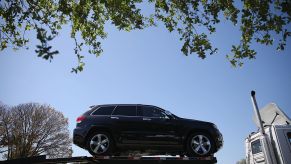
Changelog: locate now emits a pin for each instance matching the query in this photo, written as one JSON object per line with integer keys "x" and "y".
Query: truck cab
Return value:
{"x": 275, "y": 143}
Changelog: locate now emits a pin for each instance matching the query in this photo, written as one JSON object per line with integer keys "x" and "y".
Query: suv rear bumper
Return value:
{"x": 79, "y": 137}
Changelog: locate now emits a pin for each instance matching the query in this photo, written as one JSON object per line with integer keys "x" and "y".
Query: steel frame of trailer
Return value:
{"x": 115, "y": 160}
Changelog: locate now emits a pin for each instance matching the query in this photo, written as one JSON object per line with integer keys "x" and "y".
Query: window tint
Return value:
{"x": 139, "y": 111}
{"x": 256, "y": 146}
{"x": 125, "y": 111}
{"x": 289, "y": 137}
{"x": 149, "y": 111}
{"x": 104, "y": 110}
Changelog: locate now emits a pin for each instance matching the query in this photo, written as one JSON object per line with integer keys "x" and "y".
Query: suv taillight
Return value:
{"x": 80, "y": 119}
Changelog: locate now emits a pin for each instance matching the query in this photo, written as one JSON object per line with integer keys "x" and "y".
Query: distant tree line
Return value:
{"x": 33, "y": 129}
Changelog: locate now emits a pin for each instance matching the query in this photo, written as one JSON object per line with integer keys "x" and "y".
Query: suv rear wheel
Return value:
{"x": 100, "y": 143}
{"x": 199, "y": 144}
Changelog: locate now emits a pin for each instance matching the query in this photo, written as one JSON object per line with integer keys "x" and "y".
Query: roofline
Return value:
{"x": 120, "y": 104}
{"x": 92, "y": 106}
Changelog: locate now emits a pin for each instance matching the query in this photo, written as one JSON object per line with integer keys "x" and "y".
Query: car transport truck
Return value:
{"x": 271, "y": 144}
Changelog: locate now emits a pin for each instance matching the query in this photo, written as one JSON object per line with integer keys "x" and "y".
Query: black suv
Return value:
{"x": 112, "y": 129}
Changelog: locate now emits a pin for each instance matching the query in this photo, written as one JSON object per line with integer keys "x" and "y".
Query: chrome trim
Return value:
{"x": 114, "y": 117}
{"x": 136, "y": 105}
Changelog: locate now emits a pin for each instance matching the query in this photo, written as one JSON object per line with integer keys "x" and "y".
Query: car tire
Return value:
{"x": 100, "y": 143}
{"x": 199, "y": 144}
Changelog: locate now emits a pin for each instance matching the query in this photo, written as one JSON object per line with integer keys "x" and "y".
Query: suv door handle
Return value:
{"x": 146, "y": 119}
{"x": 114, "y": 118}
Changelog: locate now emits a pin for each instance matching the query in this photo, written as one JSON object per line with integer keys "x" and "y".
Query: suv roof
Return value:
{"x": 119, "y": 104}
{"x": 93, "y": 106}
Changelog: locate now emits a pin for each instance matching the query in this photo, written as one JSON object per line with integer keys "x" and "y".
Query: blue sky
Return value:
{"x": 148, "y": 67}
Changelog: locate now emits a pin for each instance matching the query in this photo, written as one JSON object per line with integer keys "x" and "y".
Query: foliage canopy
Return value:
{"x": 259, "y": 21}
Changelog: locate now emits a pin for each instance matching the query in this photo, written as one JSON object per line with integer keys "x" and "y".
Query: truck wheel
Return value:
{"x": 100, "y": 143}
{"x": 199, "y": 144}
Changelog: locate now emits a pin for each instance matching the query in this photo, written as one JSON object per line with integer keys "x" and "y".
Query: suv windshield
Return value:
{"x": 168, "y": 113}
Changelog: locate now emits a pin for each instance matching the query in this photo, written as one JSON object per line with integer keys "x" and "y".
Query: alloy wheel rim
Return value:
{"x": 99, "y": 143}
{"x": 200, "y": 144}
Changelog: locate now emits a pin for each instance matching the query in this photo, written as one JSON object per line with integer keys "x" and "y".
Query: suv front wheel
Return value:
{"x": 199, "y": 144}
{"x": 100, "y": 143}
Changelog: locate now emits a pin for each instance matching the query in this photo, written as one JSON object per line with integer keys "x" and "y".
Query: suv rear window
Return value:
{"x": 125, "y": 111}
{"x": 103, "y": 110}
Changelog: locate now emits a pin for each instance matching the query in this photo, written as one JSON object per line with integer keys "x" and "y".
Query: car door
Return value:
{"x": 157, "y": 127}
{"x": 125, "y": 127}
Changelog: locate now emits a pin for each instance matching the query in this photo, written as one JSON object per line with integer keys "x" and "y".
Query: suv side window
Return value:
{"x": 103, "y": 110}
{"x": 256, "y": 146}
{"x": 150, "y": 111}
{"x": 125, "y": 111}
